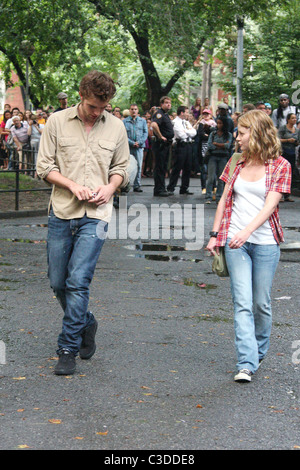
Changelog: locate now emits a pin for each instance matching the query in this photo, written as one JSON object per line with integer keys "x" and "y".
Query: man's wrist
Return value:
{"x": 115, "y": 183}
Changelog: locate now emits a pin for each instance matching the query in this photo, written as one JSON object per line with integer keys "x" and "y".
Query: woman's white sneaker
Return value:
{"x": 243, "y": 375}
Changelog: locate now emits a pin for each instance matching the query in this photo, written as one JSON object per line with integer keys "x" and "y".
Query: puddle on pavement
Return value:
{"x": 158, "y": 247}
{"x": 295, "y": 229}
{"x": 154, "y": 247}
{"x": 163, "y": 258}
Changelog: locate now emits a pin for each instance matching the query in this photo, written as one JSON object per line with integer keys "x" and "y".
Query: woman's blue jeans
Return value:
{"x": 73, "y": 248}
{"x": 251, "y": 269}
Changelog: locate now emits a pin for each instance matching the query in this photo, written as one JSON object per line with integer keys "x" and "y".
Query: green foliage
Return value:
{"x": 54, "y": 29}
{"x": 177, "y": 29}
{"x": 132, "y": 85}
{"x": 158, "y": 41}
{"x": 271, "y": 57}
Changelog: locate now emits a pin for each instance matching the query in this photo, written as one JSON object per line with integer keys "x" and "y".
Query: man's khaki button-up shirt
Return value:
{"x": 88, "y": 159}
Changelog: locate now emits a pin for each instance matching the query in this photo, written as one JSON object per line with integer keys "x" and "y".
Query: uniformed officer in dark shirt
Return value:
{"x": 164, "y": 133}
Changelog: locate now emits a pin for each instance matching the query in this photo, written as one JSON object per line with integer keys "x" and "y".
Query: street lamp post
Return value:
{"x": 239, "y": 63}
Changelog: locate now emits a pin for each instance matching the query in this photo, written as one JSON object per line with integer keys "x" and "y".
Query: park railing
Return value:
{"x": 22, "y": 162}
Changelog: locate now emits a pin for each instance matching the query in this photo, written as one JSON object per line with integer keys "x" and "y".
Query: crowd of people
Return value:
{"x": 191, "y": 142}
{"x": 20, "y": 133}
{"x": 198, "y": 142}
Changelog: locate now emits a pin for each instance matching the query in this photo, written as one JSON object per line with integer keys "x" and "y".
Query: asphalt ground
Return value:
{"x": 161, "y": 379}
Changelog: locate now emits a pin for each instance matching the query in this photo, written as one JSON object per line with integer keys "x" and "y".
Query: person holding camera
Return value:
{"x": 34, "y": 132}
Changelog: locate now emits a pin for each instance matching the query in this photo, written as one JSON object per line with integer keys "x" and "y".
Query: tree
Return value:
{"x": 55, "y": 30}
{"x": 69, "y": 38}
{"x": 177, "y": 28}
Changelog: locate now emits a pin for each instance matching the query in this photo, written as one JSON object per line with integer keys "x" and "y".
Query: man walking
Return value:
{"x": 184, "y": 134}
{"x": 137, "y": 132}
{"x": 84, "y": 154}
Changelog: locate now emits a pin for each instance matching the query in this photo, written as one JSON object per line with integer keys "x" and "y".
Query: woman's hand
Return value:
{"x": 211, "y": 246}
{"x": 239, "y": 239}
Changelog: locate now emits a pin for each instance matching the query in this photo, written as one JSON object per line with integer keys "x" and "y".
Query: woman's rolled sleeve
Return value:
{"x": 282, "y": 178}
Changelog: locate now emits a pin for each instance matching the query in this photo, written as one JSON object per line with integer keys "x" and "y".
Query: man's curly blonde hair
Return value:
{"x": 264, "y": 143}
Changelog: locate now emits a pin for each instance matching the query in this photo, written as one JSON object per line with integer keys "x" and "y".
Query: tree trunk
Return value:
{"x": 206, "y": 71}
{"x": 155, "y": 90}
{"x": 153, "y": 83}
{"x": 18, "y": 68}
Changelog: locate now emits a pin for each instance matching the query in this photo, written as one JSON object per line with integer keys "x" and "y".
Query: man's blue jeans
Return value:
{"x": 138, "y": 154}
{"x": 251, "y": 269}
{"x": 73, "y": 248}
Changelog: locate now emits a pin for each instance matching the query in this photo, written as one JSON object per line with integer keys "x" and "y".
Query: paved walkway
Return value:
{"x": 162, "y": 375}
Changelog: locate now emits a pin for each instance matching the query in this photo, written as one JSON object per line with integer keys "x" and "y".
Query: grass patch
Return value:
{"x": 8, "y": 181}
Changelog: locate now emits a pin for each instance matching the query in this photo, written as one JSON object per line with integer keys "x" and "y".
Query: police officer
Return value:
{"x": 164, "y": 133}
{"x": 184, "y": 134}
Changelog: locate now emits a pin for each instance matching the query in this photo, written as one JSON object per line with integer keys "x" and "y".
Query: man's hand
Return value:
{"x": 18, "y": 145}
{"x": 81, "y": 192}
{"x": 102, "y": 194}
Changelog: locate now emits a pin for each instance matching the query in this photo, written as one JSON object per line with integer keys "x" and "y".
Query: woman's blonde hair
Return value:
{"x": 264, "y": 143}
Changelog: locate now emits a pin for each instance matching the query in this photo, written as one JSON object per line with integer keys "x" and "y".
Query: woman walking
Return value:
{"x": 247, "y": 224}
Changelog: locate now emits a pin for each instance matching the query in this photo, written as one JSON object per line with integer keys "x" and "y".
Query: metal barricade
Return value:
{"x": 23, "y": 162}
